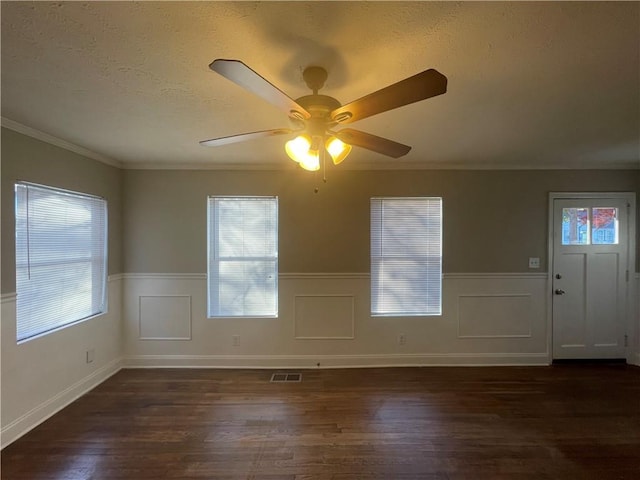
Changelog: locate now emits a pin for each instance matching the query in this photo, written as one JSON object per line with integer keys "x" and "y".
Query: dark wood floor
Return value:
{"x": 563, "y": 422}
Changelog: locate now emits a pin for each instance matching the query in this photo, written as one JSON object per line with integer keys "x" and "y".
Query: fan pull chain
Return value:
{"x": 324, "y": 170}
{"x": 324, "y": 165}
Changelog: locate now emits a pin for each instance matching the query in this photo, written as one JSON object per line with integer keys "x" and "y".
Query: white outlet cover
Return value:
{"x": 534, "y": 262}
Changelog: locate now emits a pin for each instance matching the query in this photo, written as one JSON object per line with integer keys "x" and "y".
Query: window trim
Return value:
{"x": 397, "y": 314}
{"x": 212, "y": 254}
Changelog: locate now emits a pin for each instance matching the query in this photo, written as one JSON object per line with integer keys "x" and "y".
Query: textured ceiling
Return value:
{"x": 531, "y": 85}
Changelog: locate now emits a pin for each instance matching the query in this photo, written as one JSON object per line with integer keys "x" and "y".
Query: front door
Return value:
{"x": 590, "y": 250}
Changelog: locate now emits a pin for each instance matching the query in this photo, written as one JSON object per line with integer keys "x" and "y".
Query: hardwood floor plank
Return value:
{"x": 516, "y": 423}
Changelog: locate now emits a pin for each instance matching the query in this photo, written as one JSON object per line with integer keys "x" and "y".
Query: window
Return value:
{"x": 584, "y": 226}
{"x": 243, "y": 256}
{"x": 61, "y": 253}
{"x": 406, "y": 256}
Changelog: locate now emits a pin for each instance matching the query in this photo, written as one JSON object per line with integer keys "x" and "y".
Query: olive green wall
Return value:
{"x": 27, "y": 159}
{"x": 493, "y": 220}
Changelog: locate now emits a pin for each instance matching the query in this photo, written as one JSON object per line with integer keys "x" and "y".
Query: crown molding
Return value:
{"x": 626, "y": 165}
{"x": 152, "y": 165}
{"x": 288, "y": 166}
{"x": 58, "y": 142}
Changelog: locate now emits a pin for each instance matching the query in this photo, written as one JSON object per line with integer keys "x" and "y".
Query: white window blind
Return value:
{"x": 61, "y": 253}
{"x": 406, "y": 256}
{"x": 243, "y": 256}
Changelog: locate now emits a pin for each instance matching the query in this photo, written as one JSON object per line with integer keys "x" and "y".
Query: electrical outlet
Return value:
{"x": 534, "y": 262}
{"x": 91, "y": 353}
{"x": 235, "y": 340}
{"x": 402, "y": 339}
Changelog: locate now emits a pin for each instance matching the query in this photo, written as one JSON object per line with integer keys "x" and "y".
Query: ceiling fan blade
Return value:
{"x": 373, "y": 143}
{"x": 427, "y": 84}
{"x": 243, "y": 137}
{"x": 242, "y": 75}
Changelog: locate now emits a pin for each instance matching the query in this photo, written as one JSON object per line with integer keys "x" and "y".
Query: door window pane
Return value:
{"x": 575, "y": 226}
{"x": 604, "y": 226}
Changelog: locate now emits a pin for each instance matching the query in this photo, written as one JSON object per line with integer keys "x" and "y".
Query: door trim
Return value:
{"x": 631, "y": 323}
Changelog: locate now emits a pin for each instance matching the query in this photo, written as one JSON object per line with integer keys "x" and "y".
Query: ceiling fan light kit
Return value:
{"x": 305, "y": 151}
{"x": 316, "y": 115}
{"x": 337, "y": 149}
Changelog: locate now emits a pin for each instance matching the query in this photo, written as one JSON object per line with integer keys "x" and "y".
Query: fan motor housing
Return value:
{"x": 320, "y": 108}
{"x": 320, "y": 104}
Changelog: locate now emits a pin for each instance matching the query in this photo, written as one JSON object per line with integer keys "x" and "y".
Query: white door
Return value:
{"x": 590, "y": 250}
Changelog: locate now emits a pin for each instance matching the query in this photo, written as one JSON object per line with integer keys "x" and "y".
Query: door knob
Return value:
{"x": 559, "y": 291}
{"x": 558, "y": 276}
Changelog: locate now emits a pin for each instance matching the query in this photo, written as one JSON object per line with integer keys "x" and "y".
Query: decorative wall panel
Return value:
{"x": 324, "y": 317}
{"x": 165, "y": 317}
{"x": 494, "y": 316}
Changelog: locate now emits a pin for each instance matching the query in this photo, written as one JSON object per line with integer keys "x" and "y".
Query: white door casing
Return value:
{"x": 590, "y": 264}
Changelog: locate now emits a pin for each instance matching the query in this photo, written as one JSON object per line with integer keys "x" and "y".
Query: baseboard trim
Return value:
{"x": 47, "y": 409}
{"x": 334, "y": 361}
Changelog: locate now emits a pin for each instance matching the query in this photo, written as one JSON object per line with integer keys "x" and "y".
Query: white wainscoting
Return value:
{"x": 324, "y": 321}
{"x": 483, "y": 323}
{"x": 42, "y": 376}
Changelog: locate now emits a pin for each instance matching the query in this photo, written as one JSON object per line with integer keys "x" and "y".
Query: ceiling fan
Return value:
{"x": 314, "y": 117}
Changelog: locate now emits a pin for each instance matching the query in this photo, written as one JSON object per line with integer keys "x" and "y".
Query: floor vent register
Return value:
{"x": 286, "y": 377}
